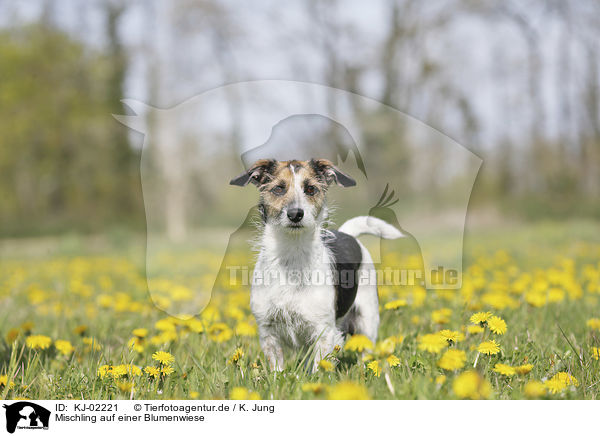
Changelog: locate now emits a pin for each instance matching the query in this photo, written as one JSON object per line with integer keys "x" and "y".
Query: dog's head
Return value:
{"x": 293, "y": 193}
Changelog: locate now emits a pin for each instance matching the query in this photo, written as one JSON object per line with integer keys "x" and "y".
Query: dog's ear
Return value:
{"x": 326, "y": 170}
{"x": 258, "y": 173}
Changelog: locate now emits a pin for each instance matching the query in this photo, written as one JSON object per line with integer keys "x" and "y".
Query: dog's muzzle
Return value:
{"x": 295, "y": 215}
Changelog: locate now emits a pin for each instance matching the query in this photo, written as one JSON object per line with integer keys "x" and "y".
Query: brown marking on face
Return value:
{"x": 280, "y": 191}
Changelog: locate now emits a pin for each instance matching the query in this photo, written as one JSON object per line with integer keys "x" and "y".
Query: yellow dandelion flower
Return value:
{"x": 326, "y": 365}
{"x": 534, "y": 389}
{"x": 194, "y": 395}
{"x": 503, "y": 369}
{"x": 386, "y": 347}
{"x": 375, "y": 367}
{"x": 220, "y": 332}
{"x": 163, "y": 357}
{"x": 64, "y": 347}
{"x": 125, "y": 369}
{"x": 524, "y": 369}
{"x": 471, "y": 385}
{"x": 125, "y": 386}
{"x": 210, "y": 314}
{"x": 236, "y": 356}
{"x": 497, "y": 325}
{"x": 566, "y": 378}
{"x": 166, "y": 370}
{"x": 38, "y": 342}
{"x": 475, "y": 329}
{"x": 348, "y": 391}
{"x": 244, "y": 328}
{"x": 393, "y": 360}
{"x": 152, "y": 371}
{"x": 140, "y": 333}
{"x": 164, "y": 337}
{"x": 27, "y": 326}
{"x": 80, "y": 330}
{"x": 560, "y": 381}
{"x": 234, "y": 312}
{"x": 593, "y": 323}
{"x": 240, "y": 393}
{"x": 134, "y": 370}
{"x": 315, "y": 388}
{"x": 555, "y": 386}
{"x": 440, "y": 379}
{"x": 4, "y": 381}
{"x": 165, "y": 324}
{"x": 396, "y": 304}
{"x": 118, "y": 371}
{"x": 136, "y": 344}
{"x": 104, "y": 370}
{"x": 452, "y": 360}
{"x": 194, "y": 325}
{"x": 358, "y": 343}
{"x": 441, "y": 316}
{"x": 480, "y": 317}
{"x": 536, "y": 299}
{"x": 489, "y": 347}
{"x": 432, "y": 343}
{"x": 555, "y": 295}
{"x": 452, "y": 336}
{"x": 37, "y": 296}
{"x": 12, "y": 335}
{"x": 595, "y": 353}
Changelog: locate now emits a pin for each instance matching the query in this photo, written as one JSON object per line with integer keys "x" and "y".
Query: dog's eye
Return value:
{"x": 278, "y": 190}
{"x": 310, "y": 190}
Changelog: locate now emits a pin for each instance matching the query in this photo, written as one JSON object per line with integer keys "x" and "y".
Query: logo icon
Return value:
{"x": 26, "y": 415}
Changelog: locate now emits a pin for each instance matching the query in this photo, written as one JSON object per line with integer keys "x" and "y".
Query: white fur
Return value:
{"x": 295, "y": 314}
{"x": 370, "y": 225}
{"x": 299, "y": 314}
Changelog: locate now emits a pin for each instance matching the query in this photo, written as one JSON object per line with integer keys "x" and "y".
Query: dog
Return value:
{"x": 311, "y": 286}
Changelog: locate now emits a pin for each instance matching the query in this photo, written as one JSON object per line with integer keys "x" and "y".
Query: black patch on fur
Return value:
{"x": 347, "y": 256}
{"x": 328, "y": 173}
{"x": 319, "y": 169}
{"x": 268, "y": 169}
{"x": 260, "y": 172}
{"x": 262, "y": 209}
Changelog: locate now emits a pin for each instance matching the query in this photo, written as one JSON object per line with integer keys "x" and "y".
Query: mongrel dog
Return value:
{"x": 311, "y": 286}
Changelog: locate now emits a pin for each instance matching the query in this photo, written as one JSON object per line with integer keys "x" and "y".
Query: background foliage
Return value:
{"x": 516, "y": 82}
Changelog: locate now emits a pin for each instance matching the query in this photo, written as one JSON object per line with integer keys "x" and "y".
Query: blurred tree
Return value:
{"x": 64, "y": 162}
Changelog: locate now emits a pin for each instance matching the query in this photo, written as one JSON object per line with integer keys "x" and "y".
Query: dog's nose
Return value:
{"x": 295, "y": 215}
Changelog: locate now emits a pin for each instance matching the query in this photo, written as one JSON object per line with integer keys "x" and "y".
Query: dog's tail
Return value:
{"x": 370, "y": 225}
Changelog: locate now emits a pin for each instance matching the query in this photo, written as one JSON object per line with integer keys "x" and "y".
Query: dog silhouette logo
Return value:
{"x": 26, "y": 415}
{"x": 191, "y": 150}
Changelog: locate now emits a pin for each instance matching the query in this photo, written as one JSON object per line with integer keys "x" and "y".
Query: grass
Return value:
{"x": 542, "y": 279}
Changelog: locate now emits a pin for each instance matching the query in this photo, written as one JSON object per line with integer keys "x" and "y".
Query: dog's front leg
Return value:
{"x": 325, "y": 344}
{"x": 272, "y": 350}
